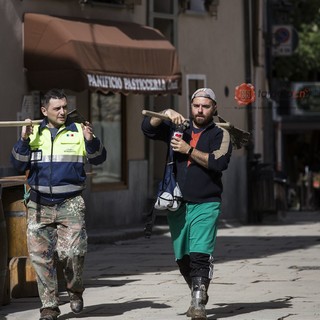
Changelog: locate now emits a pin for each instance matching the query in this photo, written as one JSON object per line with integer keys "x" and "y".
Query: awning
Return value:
{"x": 108, "y": 56}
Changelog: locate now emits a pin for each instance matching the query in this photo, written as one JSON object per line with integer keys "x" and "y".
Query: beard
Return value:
{"x": 202, "y": 121}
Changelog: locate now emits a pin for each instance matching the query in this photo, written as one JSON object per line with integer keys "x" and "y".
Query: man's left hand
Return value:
{"x": 87, "y": 131}
{"x": 179, "y": 145}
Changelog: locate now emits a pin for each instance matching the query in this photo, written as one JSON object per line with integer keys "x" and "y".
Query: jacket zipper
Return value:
{"x": 51, "y": 157}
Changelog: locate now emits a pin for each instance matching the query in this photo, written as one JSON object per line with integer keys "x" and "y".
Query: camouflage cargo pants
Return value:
{"x": 57, "y": 232}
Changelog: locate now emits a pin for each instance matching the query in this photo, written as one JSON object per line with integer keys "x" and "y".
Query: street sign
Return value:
{"x": 284, "y": 40}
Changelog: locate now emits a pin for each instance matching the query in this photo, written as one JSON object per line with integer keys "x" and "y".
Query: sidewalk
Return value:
{"x": 262, "y": 272}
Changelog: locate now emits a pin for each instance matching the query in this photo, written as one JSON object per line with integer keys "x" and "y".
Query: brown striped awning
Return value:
{"x": 107, "y": 56}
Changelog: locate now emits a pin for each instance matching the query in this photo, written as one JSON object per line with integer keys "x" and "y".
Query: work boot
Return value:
{"x": 49, "y": 313}
{"x": 199, "y": 298}
{"x": 76, "y": 303}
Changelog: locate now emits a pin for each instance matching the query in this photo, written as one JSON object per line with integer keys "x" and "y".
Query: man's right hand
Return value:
{"x": 26, "y": 130}
{"x": 173, "y": 116}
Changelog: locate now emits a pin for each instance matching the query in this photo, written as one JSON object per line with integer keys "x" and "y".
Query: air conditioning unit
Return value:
{"x": 305, "y": 98}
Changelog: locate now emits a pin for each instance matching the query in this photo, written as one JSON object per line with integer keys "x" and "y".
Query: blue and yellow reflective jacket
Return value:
{"x": 56, "y": 165}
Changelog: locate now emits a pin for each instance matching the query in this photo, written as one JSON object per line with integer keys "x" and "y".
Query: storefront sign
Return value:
{"x": 140, "y": 85}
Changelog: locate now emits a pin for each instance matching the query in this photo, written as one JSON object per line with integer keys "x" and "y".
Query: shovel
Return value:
{"x": 239, "y": 137}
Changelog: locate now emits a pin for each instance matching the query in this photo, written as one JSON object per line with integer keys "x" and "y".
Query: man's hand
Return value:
{"x": 171, "y": 114}
{"x": 175, "y": 116}
{"x": 26, "y": 130}
{"x": 87, "y": 131}
{"x": 179, "y": 145}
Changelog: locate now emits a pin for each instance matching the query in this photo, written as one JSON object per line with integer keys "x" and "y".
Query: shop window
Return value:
{"x": 107, "y": 114}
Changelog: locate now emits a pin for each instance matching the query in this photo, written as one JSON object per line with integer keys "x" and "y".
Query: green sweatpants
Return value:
{"x": 194, "y": 227}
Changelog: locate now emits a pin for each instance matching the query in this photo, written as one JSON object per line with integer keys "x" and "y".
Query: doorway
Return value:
{"x": 301, "y": 158}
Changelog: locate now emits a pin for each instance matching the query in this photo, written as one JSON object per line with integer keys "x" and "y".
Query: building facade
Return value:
{"x": 112, "y": 62}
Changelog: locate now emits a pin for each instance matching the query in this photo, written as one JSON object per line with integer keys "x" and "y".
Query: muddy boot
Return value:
{"x": 76, "y": 302}
{"x": 49, "y": 313}
{"x": 199, "y": 298}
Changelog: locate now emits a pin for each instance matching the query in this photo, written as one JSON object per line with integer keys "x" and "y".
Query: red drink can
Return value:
{"x": 178, "y": 134}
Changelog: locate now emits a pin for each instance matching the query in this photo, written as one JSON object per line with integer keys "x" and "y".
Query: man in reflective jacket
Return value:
{"x": 55, "y": 153}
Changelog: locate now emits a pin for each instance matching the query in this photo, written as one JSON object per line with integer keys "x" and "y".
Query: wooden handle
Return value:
{"x": 162, "y": 116}
{"x": 5, "y": 124}
{"x": 155, "y": 114}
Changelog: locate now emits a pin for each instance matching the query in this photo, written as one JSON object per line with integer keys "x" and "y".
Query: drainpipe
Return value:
{"x": 247, "y": 11}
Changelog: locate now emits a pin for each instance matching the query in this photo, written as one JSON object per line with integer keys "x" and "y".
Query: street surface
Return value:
{"x": 262, "y": 272}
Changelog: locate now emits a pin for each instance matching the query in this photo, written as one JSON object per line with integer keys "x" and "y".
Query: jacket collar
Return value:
{"x": 69, "y": 126}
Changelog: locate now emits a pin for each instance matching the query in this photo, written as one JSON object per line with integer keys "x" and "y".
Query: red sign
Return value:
{"x": 244, "y": 94}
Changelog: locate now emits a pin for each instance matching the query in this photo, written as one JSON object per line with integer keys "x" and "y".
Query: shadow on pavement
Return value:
{"x": 95, "y": 283}
{"x": 230, "y": 248}
{"x": 113, "y": 309}
{"x": 234, "y": 309}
